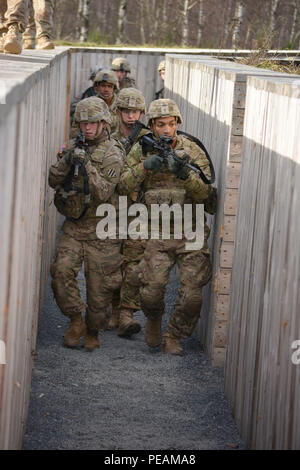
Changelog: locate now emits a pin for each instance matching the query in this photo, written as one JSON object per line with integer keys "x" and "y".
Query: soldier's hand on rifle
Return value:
{"x": 68, "y": 157}
{"x": 153, "y": 163}
{"x": 177, "y": 166}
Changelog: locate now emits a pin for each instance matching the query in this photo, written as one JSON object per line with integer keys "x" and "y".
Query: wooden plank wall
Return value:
{"x": 211, "y": 95}
{"x": 32, "y": 120}
{"x": 261, "y": 382}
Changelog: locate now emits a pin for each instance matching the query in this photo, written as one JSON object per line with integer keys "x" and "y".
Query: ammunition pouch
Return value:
{"x": 70, "y": 200}
{"x": 165, "y": 196}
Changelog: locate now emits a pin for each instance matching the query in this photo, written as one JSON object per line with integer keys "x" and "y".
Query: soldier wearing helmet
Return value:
{"x": 159, "y": 182}
{"x": 161, "y": 70}
{"x": 85, "y": 175}
{"x": 106, "y": 85}
{"x": 130, "y": 108}
{"x": 121, "y": 67}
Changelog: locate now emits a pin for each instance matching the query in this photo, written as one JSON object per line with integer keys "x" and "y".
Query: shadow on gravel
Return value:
{"x": 124, "y": 396}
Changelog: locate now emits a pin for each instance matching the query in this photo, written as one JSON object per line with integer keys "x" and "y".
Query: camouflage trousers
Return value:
{"x": 194, "y": 272}
{"x": 102, "y": 269}
{"x": 13, "y": 11}
{"x": 40, "y": 21}
{"x": 133, "y": 252}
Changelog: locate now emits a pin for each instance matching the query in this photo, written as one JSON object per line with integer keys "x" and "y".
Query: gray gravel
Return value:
{"x": 124, "y": 396}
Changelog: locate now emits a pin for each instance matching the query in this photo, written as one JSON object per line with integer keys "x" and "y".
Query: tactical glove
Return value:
{"x": 68, "y": 157}
{"x": 153, "y": 163}
{"x": 177, "y": 168}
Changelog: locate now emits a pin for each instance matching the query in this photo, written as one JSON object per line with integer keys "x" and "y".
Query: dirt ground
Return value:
{"x": 124, "y": 396}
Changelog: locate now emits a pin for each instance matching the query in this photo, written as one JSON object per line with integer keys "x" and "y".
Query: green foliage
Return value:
{"x": 95, "y": 36}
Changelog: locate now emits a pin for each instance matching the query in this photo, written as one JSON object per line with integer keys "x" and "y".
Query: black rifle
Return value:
{"x": 80, "y": 143}
{"x": 132, "y": 138}
{"x": 163, "y": 148}
{"x": 68, "y": 186}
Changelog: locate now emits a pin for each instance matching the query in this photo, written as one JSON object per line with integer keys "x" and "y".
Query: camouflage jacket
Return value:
{"x": 106, "y": 159}
{"x": 163, "y": 186}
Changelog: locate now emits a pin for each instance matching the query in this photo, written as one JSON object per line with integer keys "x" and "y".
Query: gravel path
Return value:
{"x": 124, "y": 396}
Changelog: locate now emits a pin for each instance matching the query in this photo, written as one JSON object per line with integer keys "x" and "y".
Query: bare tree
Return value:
{"x": 238, "y": 19}
{"x": 295, "y": 4}
{"x": 83, "y": 14}
{"x": 274, "y": 5}
{"x": 185, "y": 23}
{"x": 121, "y": 21}
{"x": 200, "y": 22}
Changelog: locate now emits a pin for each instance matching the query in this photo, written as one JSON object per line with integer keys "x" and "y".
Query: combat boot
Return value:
{"x": 28, "y": 44}
{"x": 75, "y": 331}
{"x": 91, "y": 340}
{"x": 13, "y": 40}
{"x": 44, "y": 43}
{"x": 171, "y": 345}
{"x": 127, "y": 325}
{"x": 153, "y": 332}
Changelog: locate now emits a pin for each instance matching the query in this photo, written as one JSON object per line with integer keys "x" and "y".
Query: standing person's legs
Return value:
{"x": 67, "y": 264}
{"x": 102, "y": 262}
{"x": 16, "y": 17}
{"x": 43, "y": 15}
{"x": 194, "y": 273}
{"x": 30, "y": 31}
{"x": 157, "y": 263}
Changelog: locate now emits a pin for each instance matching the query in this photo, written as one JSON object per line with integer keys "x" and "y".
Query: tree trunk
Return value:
{"x": 200, "y": 23}
{"x": 121, "y": 21}
{"x": 295, "y": 14}
{"x": 185, "y": 23}
{"x": 85, "y": 20}
{"x": 238, "y": 19}
{"x": 142, "y": 23}
{"x": 274, "y": 5}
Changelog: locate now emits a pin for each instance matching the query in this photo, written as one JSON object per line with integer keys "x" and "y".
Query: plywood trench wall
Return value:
{"x": 262, "y": 374}
{"x": 251, "y": 314}
{"x": 32, "y": 120}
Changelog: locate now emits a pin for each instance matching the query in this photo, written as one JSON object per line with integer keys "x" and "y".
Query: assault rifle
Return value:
{"x": 80, "y": 147}
{"x": 162, "y": 147}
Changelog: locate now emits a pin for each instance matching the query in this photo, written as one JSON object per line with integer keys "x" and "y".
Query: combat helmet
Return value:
{"x": 120, "y": 64}
{"x": 108, "y": 76}
{"x": 131, "y": 98}
{"x": 163, "y": 108}
{"x": 161, "y": 66}
{"x": 92, "y": 109}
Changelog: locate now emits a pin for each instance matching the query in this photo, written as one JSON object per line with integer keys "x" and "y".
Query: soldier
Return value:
{"x": 165, "y": 184}
{"x": 13, "y": 16}
{"x": 121, "y": 67}
{"x": 130, "y": 108}
{"x": 40, "y": 25}
{"x": 99, "y": 168}
{"x": 161, "y": 70}
{"x": 106, "y": 86}
{"x": 91, "y": 90}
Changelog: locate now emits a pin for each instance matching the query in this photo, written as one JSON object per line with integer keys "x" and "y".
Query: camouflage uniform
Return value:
{"x": 133, "y": 250}
{"x": 79, "y": 243}
{"x": 13, "y": 20}
{"x": 13, "y": 11}
{"x": 122, "y": 64}
{"x": 109, "y": 77}
{"x": 161, "y": 255}
{"x": 40, "y": 22}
